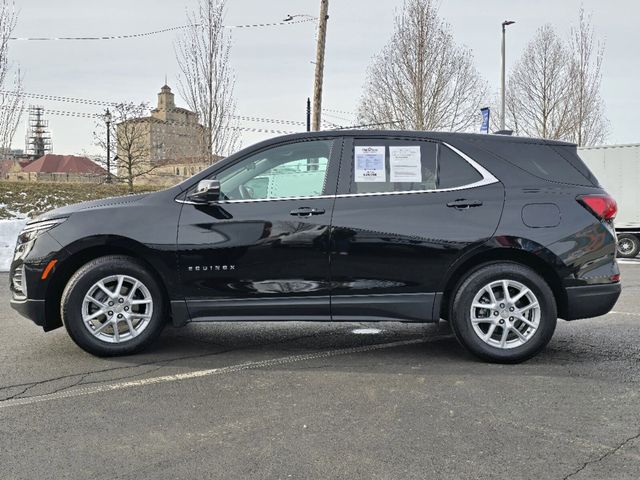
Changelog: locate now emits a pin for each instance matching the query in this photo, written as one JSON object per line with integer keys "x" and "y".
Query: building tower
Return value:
{"x": 38, "y": 142}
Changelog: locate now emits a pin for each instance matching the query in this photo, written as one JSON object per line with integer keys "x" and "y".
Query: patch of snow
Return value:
{"x": 9, "y": 230}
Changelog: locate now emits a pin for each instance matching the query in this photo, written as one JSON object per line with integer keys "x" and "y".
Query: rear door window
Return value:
{"x": 395, "y": 165}
{"x": 379, "y": 166}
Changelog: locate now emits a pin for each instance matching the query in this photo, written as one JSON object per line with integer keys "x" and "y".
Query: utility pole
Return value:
{"x": 317, "y": 89}
{"x": 502, "y": 81}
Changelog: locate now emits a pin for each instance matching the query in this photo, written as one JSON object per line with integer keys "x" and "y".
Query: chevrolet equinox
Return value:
{"x": 497, "y": 235}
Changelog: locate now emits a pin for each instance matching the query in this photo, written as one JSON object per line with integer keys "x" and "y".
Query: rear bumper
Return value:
{"x": 32, "y": 309}
{"x": 591, "y": 300}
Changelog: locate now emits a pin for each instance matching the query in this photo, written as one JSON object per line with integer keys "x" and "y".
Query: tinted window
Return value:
{"x": 293, "y": 170}
{"x": 392, "y": 166}
{"x": 453, "y": 170}
{"x": 542, "y": 161}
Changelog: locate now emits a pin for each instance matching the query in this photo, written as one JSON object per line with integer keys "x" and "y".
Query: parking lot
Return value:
{"x": 308, "y": 400}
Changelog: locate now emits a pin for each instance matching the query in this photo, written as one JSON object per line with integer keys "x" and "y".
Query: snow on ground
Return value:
{"x": 9, "y": 230}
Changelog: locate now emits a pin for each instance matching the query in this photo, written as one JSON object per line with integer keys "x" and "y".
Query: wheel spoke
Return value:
{"x": 118, "y": 290}
{"x": 492, "y": 296}
{"x": 140, "y": 302}
{"x": 519, "y": 334}
{"x": 505, "y": 289}
{"x": 101, "y": 327}
{"x": 528, "y": 307}
{"x": 521, "y": 294}
{"x": 94, "y": 315}
{"x": 116, "y": 332}
{"x": 525, "y": 320}
{"x": 503, "y": 338}
{"x": 102, "y": 287}
{"x": 96, "y": 302}
{"x": 132, "y": 330}
{"x": 133, "y": 291}
{"x": 489, "y": 333}
{"x": 478, "y": 320}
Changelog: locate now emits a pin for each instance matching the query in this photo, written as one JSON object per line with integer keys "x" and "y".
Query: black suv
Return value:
{"x": 497, "y": 235}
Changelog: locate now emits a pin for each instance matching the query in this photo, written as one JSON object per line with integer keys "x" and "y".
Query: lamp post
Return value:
{"x": 107, "y": 119}
{"x": 502, "y": 82}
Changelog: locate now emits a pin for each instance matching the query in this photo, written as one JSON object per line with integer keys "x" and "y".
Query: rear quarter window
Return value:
{"x": 543, "y": 161}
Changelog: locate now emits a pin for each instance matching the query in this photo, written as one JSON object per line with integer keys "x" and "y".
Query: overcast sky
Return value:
{"x": 274, "y": 73}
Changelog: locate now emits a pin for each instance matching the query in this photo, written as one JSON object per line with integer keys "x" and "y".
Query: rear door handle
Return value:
{"x": 463, "y": 203}
{"x": 307, "y": 211}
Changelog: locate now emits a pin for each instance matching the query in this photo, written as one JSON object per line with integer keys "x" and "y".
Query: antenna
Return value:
{"x": 38, "y": 136}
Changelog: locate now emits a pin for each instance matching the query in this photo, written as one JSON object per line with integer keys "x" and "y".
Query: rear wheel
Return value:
{"x": 628, "y": 245}
{"x": 112, "y": 306}
{"x": 503, "y": 312}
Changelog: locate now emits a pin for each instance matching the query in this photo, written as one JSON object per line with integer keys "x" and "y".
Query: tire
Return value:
{"x": 522, "y": 341}
{"x": 628, "y": 245}
{"x": 134, "y": 303}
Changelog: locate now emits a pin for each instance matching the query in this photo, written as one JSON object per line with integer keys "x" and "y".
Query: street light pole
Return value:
{"x": 107, "y": 119}
{"x": 502, "y": 77}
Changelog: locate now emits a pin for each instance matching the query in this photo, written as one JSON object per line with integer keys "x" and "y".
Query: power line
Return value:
{"x": 352, "y": 114}
{"x": 67, "y": 113}
{"x": 57, "y": 98}
{"x": 85, "y": 101}
{"x": 157, "y": 32}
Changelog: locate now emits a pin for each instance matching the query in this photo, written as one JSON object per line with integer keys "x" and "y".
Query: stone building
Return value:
{"x": 170, "y": 135}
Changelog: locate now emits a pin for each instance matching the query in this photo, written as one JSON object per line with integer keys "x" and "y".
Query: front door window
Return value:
{"x": 287, "y": 171}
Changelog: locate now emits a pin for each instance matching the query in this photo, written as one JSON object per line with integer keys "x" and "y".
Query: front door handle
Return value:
{"x": 463, "y": 204}
{"x": 307, "y": 211}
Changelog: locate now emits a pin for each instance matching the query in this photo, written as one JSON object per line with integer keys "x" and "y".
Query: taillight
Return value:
{"x": 602, "y": 206}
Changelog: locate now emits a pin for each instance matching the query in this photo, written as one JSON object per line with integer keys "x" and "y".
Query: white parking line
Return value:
{"x": 614, "y": 312}
{"x": 78, "y": 392}
{"x": 629, "y": 261}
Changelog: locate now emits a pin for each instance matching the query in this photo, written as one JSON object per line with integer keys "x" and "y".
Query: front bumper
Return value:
{"x": 32, "y": 309}
{"x": 591, "y": 300}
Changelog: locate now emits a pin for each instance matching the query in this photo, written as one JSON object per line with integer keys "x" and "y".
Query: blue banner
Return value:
{"x": 484, "y": 128}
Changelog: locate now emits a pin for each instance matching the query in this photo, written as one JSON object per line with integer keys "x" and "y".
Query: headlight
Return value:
{"x": 33, "y": 230}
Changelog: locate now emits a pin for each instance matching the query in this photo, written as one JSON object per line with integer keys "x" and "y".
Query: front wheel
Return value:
{"x": 628, "y": 245}
{"x": 503, "y": 312}
{"x": 112, "y": 306}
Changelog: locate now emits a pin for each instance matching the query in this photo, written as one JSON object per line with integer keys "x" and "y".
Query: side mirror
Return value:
{"x": 207, "y": 191}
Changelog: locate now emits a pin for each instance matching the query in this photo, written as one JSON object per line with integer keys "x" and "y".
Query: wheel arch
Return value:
{"x": 541, "y": 261}
{"x": 83, "y": 252}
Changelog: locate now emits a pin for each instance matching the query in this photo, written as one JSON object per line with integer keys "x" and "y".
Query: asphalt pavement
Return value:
{"x": 317, "y": 401}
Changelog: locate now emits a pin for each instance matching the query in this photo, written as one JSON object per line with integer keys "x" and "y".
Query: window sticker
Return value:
{"x": 370, "y": 164}
{"x": 405, "y": 164}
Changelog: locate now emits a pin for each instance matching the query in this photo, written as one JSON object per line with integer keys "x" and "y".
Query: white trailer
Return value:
{"x": 617, "y": 167}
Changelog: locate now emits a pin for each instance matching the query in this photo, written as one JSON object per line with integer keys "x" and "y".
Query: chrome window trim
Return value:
{"x": 487, "y": 179}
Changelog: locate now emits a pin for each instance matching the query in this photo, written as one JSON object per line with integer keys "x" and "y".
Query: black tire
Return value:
{"x": 71, "y": 305}
{"x": 473, "y": 283}
{"x": 628, "y": 245}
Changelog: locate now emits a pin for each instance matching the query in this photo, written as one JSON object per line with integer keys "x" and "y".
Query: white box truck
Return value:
{"x": 617, "y": 167}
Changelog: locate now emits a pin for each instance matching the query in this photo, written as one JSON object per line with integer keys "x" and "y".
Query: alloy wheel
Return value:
{"x": 505, "y": 314}
{"x": 117, "y": 308}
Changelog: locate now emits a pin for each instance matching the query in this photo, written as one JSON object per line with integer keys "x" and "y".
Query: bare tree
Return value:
{"x": 207, "y": 82}
{"x": 12, "y": 104}
{"x": 539, "y": 88}
{"x": 130, "y": 140}
{"x": 589, "y": 124}
{"x": 421, "y": 77}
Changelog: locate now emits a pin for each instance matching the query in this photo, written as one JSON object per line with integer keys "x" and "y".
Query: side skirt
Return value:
{"x": 403, "y": 307}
